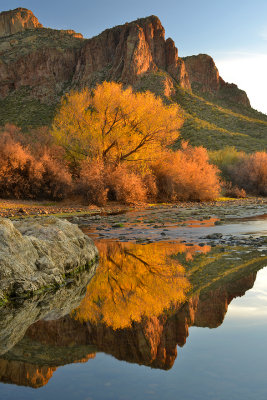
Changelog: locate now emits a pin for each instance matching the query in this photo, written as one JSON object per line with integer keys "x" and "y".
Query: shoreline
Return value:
{"x": 14, "y": 209}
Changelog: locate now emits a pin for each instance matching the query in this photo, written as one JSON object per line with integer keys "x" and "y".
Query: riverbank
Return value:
{"x": 224, "y": 206}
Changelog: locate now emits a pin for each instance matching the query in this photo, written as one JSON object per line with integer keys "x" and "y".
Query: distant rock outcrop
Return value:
{"x": 204, "y": 78}
{"x": 17, "y": 20}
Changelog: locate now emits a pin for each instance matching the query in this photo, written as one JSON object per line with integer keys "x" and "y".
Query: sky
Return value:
{"x": 233, "y": 32}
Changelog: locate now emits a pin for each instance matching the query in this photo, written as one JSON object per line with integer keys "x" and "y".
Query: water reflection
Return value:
{"x": 136, "y": 281}
{"x": 138, "y": 308}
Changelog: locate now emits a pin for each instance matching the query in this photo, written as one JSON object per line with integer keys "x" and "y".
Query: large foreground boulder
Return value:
{"x": 40, "y": 253}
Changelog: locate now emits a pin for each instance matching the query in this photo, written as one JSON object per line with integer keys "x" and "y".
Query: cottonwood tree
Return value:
{"x": 115, "y": 125}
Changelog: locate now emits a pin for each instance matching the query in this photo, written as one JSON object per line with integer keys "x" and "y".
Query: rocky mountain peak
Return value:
{"x": 203, "y": 72}
{"x": 205, "y": 79}
{"x": 127, "y": 52}
{"x": 17, "y": 20}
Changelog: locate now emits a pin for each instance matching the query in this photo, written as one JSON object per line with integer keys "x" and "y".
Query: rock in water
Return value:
{"x": 36, "y": 254}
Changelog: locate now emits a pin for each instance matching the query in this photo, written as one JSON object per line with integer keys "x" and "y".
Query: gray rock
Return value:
{"x": 39, "y": 253}
{"x": 15, "y": 318}
{"x": 214, "y": 236}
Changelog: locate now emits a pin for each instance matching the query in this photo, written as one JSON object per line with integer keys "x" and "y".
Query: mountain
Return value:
{"x": 38, "y": 65}
{"x": 49, "y": 344}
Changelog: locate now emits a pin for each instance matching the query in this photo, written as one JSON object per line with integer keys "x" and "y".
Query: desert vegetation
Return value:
{"x": 117, "y": 143}
{"x": 115, "y": 125}
{"x": 242, "y": 172}
{"x": 112, "y": 144}
{"x": 31, "y": 169}
{"x": 220, "y": 124}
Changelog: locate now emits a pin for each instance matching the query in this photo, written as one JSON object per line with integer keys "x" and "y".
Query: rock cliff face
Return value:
{"x": 17, "y": 20}
{"x": 127, "y": 52}
{"x": 204, "y": 78}
{"x": 50, "y": 62}
{"x": 203, "y": 73}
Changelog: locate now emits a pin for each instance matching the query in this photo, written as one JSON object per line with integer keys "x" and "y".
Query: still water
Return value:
{"x": 158, "y": 321}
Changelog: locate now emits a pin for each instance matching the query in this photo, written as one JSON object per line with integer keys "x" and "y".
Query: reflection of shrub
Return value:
{"x": 186, "y": 175}
{"x": 24, "y": 176}
{"x": 251, "y": 173}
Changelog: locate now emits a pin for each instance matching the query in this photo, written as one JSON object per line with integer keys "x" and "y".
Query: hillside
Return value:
{"x": 214, "y": 125}
{"x": 38, "y": 65}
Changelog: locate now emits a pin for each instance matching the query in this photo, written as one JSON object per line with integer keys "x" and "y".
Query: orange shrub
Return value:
{"x": 91, "y": 182}
{"x": 24, "y": 176}
{"x": 186, "y": 175}
{"x": 125, "y": 186}
{"x": 150, "y": 184}
{"x": 56, "y": 181}
{"x": 233, "y": 191}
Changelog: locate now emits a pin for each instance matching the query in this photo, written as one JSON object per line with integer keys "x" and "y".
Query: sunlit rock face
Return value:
{"x": 204, "y": 78}
{"x": 17, "y": 20}
{"x": 203, "y": 73}
{"x": 126, "y": 52}
{"x": 50, "y": 62}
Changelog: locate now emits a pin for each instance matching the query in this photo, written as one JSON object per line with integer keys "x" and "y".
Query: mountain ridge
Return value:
{"x": 38, "y": 65}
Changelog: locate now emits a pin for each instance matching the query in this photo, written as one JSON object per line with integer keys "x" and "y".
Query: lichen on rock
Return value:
{"x": 40, "y": 253}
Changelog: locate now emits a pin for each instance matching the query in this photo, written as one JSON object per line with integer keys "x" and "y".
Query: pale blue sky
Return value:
{"x": 229, "y": 30}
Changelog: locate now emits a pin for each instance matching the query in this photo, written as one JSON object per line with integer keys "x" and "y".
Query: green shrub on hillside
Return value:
{"x": 214, "y": 127}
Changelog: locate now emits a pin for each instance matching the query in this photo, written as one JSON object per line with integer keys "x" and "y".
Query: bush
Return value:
{"x": 125, "y": 186}
{"x": 251, "y": 173}
{"x": 225, "y": 159}
{"x": 233, "y": 191}
{"x": 98, "y": 183}
{"x": 150, "y": 184}
{"x": 24, "y": 176}
{"x": 91, "y": 182}
{"x": 186, "y": 175}
{"x": 56, "y": 182}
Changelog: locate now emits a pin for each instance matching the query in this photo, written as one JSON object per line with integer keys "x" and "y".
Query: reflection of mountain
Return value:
{"x": 17, "y": 317}
{"x": 150, "y": 340}
{"x": 23, "y": 373}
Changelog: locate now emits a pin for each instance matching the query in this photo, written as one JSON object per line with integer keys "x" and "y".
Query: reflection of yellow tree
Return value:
{"x": 134, "y": 281}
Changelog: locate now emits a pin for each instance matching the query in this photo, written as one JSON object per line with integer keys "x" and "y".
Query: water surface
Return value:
{"x": 161, "y": 320}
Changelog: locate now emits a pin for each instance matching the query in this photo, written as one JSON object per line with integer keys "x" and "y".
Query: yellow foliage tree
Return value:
{"x": 135, "y": 281}
{"x": 115, "y": 125}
